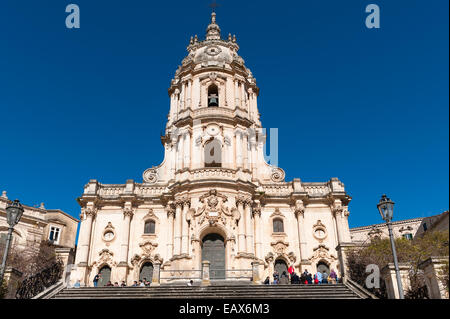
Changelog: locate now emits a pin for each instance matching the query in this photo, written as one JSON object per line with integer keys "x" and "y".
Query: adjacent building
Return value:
{"x": 40, "y": 224}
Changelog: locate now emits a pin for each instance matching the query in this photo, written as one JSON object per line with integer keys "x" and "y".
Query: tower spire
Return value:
{"x": 213, "y": 30}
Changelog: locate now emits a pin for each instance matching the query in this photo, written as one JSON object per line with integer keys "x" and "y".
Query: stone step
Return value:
{"x": 217, "y": 292}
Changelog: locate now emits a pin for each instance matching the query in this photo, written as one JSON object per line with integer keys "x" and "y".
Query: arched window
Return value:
{"x": 278, "y": 226}
{"x": 149, "y": 227}
{"x": 213, "y": 95}
{"x": 213, "y": 154}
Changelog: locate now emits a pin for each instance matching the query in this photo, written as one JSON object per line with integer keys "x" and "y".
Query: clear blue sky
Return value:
{"x": 367, "y": 106}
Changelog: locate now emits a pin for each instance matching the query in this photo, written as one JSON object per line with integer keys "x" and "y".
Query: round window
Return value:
{"x": 320, "y": 233}
{"x": 108, "y": 235}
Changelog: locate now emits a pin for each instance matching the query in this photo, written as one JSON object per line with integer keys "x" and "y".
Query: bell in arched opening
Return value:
{"x": 213, "y": 95}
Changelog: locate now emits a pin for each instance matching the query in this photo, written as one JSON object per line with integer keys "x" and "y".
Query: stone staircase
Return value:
{"x": 337, "y": 291}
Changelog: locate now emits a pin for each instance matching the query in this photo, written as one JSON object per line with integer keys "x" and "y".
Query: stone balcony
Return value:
{"x": 212, "y": 112}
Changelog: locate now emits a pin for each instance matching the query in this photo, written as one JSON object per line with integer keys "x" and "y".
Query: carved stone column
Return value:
{"x": 179, "y": 163}
{"x": 189, "y": 92}
{"x": 127, "y": 213}
{"x": 187, "y": 150}
{"x": 82, "y": 256}
{"x": 239, "y": 149}
{"x": 156, "y": 274}
{"x": 257, "y": 228}
{"x": 249, "y": 227}
{"x": 197, "y": 250}
{"x": 177, "y": 228}
{"x": 170, "y": 217}
{"x": 205, "y": 273}
{"x": 337, "y": 211}
{"x": 299, "y": 213}
{"x": 236, "y": 93}
{"x": 245, "y": 151}
{"x": 241, "y": 226}
{"x": 185, "y": 227}
{"x": 89, "y": 214}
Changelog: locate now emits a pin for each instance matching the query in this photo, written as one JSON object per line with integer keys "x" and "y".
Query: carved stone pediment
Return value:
{"x": 277, "y": 213}
{"x": 150, "y": 215}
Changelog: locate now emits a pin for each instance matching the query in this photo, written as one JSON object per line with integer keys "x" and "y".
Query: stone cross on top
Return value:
{"x": 214, "y": 5}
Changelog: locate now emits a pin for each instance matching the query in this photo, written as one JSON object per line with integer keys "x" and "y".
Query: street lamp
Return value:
{"x": 386, "y": 208}
{"x": 14, "y": 212}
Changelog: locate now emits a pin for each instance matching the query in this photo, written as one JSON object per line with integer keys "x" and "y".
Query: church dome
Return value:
{"x": 213, "y": 51}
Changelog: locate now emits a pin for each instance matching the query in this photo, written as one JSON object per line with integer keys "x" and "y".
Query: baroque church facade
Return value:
{"x": 214, "y": 198}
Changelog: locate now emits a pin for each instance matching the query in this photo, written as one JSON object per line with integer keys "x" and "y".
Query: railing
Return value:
{"x": 215, "y": 274}
{"x": 35, "y": 284}
{"x": 180, "y": 274}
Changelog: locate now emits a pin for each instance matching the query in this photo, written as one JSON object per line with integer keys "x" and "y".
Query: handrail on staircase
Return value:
{"x": 359, "y": 290}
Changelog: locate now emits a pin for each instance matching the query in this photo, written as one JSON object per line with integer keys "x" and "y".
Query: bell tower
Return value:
{"x": 213, "y": 119}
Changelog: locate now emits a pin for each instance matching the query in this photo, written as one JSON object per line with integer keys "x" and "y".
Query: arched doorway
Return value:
{"x": 280, "y": 266}
{"x": 213, "y": 250}
{"x": 323, "y": 266}
{"x": 105, "y": 273}
{"x": 146, "y": 271}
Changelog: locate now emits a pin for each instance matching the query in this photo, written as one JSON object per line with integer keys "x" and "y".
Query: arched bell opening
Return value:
{"x": 213, "y": 95}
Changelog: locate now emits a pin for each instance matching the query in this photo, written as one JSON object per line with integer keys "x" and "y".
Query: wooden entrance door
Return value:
{"x": 280, "y": 266}
{"x": 105, "y": 273}
{"x": 213, "y": 250}
{"x": 146, "y": 271}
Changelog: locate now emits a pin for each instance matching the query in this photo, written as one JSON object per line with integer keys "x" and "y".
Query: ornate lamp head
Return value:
{"x": 14, "y": 212}
{"x": 386, "y": 208}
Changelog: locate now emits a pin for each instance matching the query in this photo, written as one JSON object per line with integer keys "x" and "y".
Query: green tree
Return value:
{"x": 415, "y": 251}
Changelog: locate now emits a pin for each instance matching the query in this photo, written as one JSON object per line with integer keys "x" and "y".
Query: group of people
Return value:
{"x": 141, "y": 283}
{"x": 283, "y": 279}
{"x": 305, "y": 278}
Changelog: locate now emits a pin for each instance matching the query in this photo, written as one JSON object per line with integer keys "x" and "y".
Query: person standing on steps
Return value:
{"x": 96, "y": 279}
{"x": 324, "y": 277}
{"x": 333, "y": 276}
{"x": 291, "y": 270}
{"x": 319, "y": 277}
{"x": 284, "y": 279}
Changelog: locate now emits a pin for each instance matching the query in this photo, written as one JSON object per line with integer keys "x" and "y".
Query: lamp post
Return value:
{"x": 386, "y": 208}
{"x": 14, "y": 212}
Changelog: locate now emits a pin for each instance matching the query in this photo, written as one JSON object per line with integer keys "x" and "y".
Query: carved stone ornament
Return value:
{"x": 277, "y": 213}
{"x": 108, "y": 233}
{"x": 88, "y": 212}
{"x": 279, "y": 246}
{"x": 150, "y": 176}
{"x": 269, "y": 258}
{"x": 292, "y": 258}
{"x": 299, "y": 208}
{"x": 278, "y": 175}
{"x": 322, "y": 252}
{"x": 320, "y": 231}
{"x": 128, "y": 211}
{"x": 105, "y": 257}
{"x": 148, "y": 247}
{"x": 213, "y": 208}
{"x": 150, "y": 215}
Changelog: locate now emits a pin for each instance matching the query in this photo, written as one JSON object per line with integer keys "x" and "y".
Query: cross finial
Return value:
{"x": 214, "y": 5}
